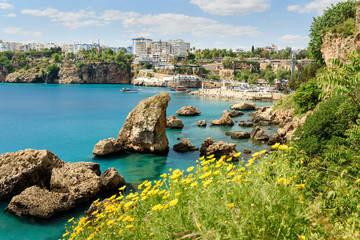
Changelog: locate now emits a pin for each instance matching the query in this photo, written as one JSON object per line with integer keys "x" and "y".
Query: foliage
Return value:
{"x": 5, "y": 58}
{"x": 343, "y": 78}
{"x": 283, "y": 74}
{"x": 305, "y": 73}
{"x": 213, "y": 76}
{"x": 285, "y": 102}
{"x": 306, "y": 97}
{"x": 327, "y": 125}
{"x": 52, "y": 71}
{"x": 345, "y": 29}
{"x": 336, "y": 14}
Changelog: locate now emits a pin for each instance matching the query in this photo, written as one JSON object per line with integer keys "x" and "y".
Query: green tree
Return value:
{"x": 343, "y": 78}
{"x": 332, "y": 16}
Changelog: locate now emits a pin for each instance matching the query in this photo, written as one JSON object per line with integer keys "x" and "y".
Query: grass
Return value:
{"x": 216, "y": 199}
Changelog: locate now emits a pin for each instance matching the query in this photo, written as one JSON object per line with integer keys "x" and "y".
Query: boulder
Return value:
{"x": 201, "y": 123}
{"x": 276, "y": 138}
{"x": 245, "y": 124}
{"x": 235, "y": 113}
{"x": 111, "y": 180}
{"x": 107, "y": 147}
{"x": 81, "y": 180}
{"x": 25, "y": 168}
{"x": 239, "y": 135}
{"x": 247, "y": 151}
{"x": 184, "y": 146}
{"x": 174, "y": 122}
{"x": 243, "y": 106}
{"x": 267, "y": 116}
{"x": 144, "y": 128}
{"x": 219, "y": 149}
{"x": 224, "y": 120}
{"x": 188, "y": 111}
{"x": 39, "y": 202}
{"x": 259, "y": 134}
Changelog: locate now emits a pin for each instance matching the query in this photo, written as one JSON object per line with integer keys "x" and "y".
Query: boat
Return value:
{"x": 172, "y": 88}
{"x": 129, "y": 90}
{"x": 182, "y": 89}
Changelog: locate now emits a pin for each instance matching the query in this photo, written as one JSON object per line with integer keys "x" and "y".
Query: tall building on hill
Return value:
{"x": 141, "y": 46}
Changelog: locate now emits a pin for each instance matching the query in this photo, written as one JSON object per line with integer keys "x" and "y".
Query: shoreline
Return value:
{"x": 237, "y": 95}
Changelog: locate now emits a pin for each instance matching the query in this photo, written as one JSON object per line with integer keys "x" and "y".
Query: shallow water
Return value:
{"x": 70, "y": 119}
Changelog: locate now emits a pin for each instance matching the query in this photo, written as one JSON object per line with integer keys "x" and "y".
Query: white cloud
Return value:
{"x": 11, "y": 15}
{"x": 87, "y": 23}
{"x": 20, "y": 31}
{"x": 56, "y": 15}
{"x": 232, "y": 7}
{"x": 315, "y": 6}
{"x": 177, "y": 24}
{"x": 5, "y": 6}
{"x": 294, "y": 39}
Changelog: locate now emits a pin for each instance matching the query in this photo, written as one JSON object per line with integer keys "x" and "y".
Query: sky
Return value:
{"x": 204, "y": 23}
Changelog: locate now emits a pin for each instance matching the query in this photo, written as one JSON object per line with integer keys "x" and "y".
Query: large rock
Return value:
{"x": 219, "y": 149}
{"x": 174, "y": 122}
{"x": 39, "y": 202}
{"x": 259, "y": 134}
{"x": 238, "y": 135}
{"x": 107, "y": 147}
{"x": 235, "y": 113}
{"x": 267, "y": 116}
{"x": 188, "y": 111}
{"x": 111, "y": 180}
{"x": 243, "y": 106}
{"x": 201, "y": 123}
{"x": 81, "y": 180}
{"x": 184, "y": 146}
{"x": 276, "y": 138}
{"x": 144, "y": 128}
{"x": 26, "y": 168}
{"x": 245, "y": 124}
{"x": 224, "y": 120}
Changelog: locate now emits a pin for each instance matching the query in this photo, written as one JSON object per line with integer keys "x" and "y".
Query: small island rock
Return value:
{"x": 184, "y": 146}
{"x": 239, "y": 135}
{"x": 235, "y": 113}
{"x": 224, "y": 120}
{"x": 107, "y": 147}
{"x": 174, "y": 122}
{"x": 219, "y": 149}
{"x": 188, "y": 111}
{"x": 243, "y": 106}
{"x": 245, "y": 124}
{"x": 259, "y": 134}
{"x": 201, "y": 123}
{"x": 111, "y": 180}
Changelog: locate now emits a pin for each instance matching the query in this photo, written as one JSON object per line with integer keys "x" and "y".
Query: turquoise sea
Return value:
{"x": 70, "y": 119}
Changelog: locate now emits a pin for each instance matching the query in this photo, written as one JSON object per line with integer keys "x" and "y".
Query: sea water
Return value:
{"x": 70, "y": 119}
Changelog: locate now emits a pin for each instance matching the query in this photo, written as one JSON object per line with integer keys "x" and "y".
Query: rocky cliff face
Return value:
{"x": 3, "y": 73}
{"x": 100, "y": 73}
{"x": 91, "y": 73}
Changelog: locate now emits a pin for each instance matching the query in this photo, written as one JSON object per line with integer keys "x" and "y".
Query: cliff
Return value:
{"x": 68, "y": 73}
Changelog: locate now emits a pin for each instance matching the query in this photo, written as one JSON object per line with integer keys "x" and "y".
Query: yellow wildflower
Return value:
{"x": 71, "y": 219}
{"x": 129, "y": 226}
{"x": 358, "y": 180}
{"x": 206, "y": 168}
{"x": 205, "y": 175}
{"x": 174, "y": 202}
{"x": 178, "y": 194}
{"x": 207, "y": 183}
{"x": 302, "y": 237}
{"x": 230, "y": 205}
{"x": 276, "y": 145}
{"x": 300, "y": 186}
{"x": 90, "y": 237}
{"x": 128, "y": 204}
{"x": 202, "y": 158}
{"x": 242, "y": 169}
{"x": 194, "y": 184}
{"x": 122, "y": 188}
{"x": 65, "y": 234}
{"x": 170, "y": 169}
{"x": 190, "y": 169}
{"x": 229, "y": 159}
{"x": 166, "y": 206}
{"x": 120, "y": 231}
{"x": 283, "y": 147}
{"x": 231, "y": 174}
{"x": 110, "y": 223}
{"x": 237, "y": 154}
{"x": 164, "y": 175}
{"x": 255, "y": 154}
{"x": 211, "y": 156}
{"x": 162, "y": 192}
{"x": 157, "y": 207}
{"x": 151, "y": 234}
{"x": 216, "y": 172}
{"x": 263, "y": 151}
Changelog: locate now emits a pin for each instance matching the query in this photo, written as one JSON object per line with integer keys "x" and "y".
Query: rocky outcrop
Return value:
{"x": 224, "y": 120}
{"x": 276, "y": 138}
{"x": 25, "y": 168}
{"x": 144, "y": 129}
{"x": 174, "y": 122}
{"x": 39, "y": 202}
{"x": 100, "y": 73}
{"x": 259, "y": 134}
{"x": 238, "y": 135}
{"x": 245, "y": 124}
{"x": 219, "y": 149}
{"x": 107, "y": 147}
{"x": 247, "y": 151}
{"x": 111, "y": 180}
{"x": 201, "y": 123}
{"x": 338, "y": 47}
{"x": 3, "y": 73}
{"x": 243, "y": 106}
{"x": 188, "y": 111}
{"x": 235, "y": 113}
{"x": 267, "y": 116}
{"x": 184, "y": 146}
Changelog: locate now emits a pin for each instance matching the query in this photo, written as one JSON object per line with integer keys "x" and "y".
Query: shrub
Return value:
{"x": 306, "y": 97}
{"x": 327, "y": 125}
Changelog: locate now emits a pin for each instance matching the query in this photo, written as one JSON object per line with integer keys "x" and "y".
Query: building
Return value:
{"x": 141, "y": 46}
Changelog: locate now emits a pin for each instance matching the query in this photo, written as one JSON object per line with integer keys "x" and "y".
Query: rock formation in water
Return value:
{"x": 25, "y": 168}
{"x": 243, "y": 106}
{"x": 184, "y": 146}
{"x": 188, "y": 111}
{"x": 259, "y": 134}
{"x": 224, "y": 120}
{"x": 235, "y": 113}
{"x": 245, "y": 124}
{"x": 174, "y": 122}
{"x": 219, "y": 149}
{"x": 143, "y": 131}
{"x": 201, "y": 123}
{"x": 238, "y": 135}
{"x": 267, "y": 116}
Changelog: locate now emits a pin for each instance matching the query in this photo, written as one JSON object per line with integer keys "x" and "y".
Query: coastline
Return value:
{"x": 237, "y": 95}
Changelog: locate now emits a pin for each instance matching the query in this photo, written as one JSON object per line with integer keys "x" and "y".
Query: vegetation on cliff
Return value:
{"x": 337, "y": 19}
